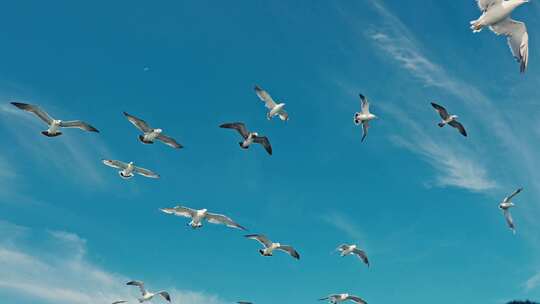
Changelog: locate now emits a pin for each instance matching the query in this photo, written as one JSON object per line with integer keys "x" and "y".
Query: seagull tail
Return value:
{"x": 441, "y": 124}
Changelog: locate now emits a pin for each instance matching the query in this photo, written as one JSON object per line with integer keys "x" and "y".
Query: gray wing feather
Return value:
{"x": 260, "y": 238}
{"x": 34, "y": 109}
{"x": 169, "y": 141}
{"x": 222, "y": 219}
{"x": 441, "y": 110}
{"x": 139, "y": 123}
{"x": 458, "y": 126}
{"x": 263, "y": 140}
{"x": 290, "y": 250}
{"x": 115, "y": 163}
{"x": 238, "y": 126}
{"x": 145, "y": 172}
{"x": 78, "y": 124}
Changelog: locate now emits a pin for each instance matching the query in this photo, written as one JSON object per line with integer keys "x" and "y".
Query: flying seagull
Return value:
{"x": 353, "y": 249}
{"x": 337, "y": 298}
{"x": 505, "y": 206}
{"x": 151, "y": 134}
{"x": 448, "y": 119}
{"x": 119, "y": 302}
{"x": 54, "y": 124}
{"x": 364, "y": 117}
{"x": 244, "y": 302}
{"x": 249, "y": 137}
{"x": 269, "y": 247}
{"x": 146, "y": 295}
{"x": 128, "y": 170}
{"x": 496, "y": 15}
{"x": 275, "y": 109}
{"x": 197, "y": 217}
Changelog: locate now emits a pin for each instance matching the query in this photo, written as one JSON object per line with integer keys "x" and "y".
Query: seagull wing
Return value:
{"x": 244, "y": 302}
{"x": 169, "y": 141}
{"x": 511, "y": 196}
{"x": 264, "y": 96}
{"x": 238, "y": 126}
{"x": 442, "y": 111}
{"x": 115, "y": 163}
{"x": 362, "y": 255}
{"x": 180, "y": 211}
{"x": 119, "y": 302}
{"x": 138, "y": 284}
{"x": 364, "y": 104}
{"x": 261, "y": 238}
{"x": 458, "y": 126}
{"x": 365, "y": 128}
{"x": 78, "y": 124}
{"x": 290, "y": 250}
{"x": 518, "y": 39}
{"x": 34, "y": 109}
{"x": 483, "y": 5}
{"x": 333, "y": 296}
{"x": 145, "y": 172}
{"x": 356, "y": 299}
{"x": 139, "y": 123}
{"x": 263, "y": 140}
{"x": 165, "y": 295}
{"x": 222, "y": 219}
{"x": 509, "y": 220}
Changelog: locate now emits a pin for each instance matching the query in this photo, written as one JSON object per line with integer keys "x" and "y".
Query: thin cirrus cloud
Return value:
{"x": 65, "y": 275}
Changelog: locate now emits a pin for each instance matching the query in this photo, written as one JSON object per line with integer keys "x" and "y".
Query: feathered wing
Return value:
{"x": 180, "y": 211}
{"x": 265, "y": 142}
{"x": 511, "y": 196}
{"x": 441, "y": 110}
{"x": 138, "y": 284}
{"x": 169, "y": 141}
{"x": 518, "y": 39}
{"x": 483, "y": 5}
{"x": 362, "y": 255}
{"x": 356, "y": 299}
{"x": 138, "y": 123}
{"x": 290, "y": 250}
{"x": 509, "y": 220}
{"x": 365, "y": 128}
{"x": 79, "y": 124}
{"x": 222, "y": 219}
{"x": 458, "y": 126}
{"x": 165, "y": 295}
{"x": 261, "y": 239}
{"x": 238, "y": 126}
{"x": 119, "y": 302}
{"x": 145, "y": 172}
{"x": 264, "y": 96}
{"x": 364, "y": 104}
{"x": 115, "y": 163}
{"x": 35, "y": 110}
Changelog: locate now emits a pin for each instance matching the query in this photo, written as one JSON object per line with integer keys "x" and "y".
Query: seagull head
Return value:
{"x": 158, "y": 130}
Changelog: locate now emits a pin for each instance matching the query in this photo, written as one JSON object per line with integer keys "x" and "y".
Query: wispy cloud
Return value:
{"x": 66, "y": 275}
{"x": 344, "y": 224}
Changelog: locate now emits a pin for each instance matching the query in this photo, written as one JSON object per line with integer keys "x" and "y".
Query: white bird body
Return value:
{"x": 348, "y": 250}
{"x": 128, "y": 171}
{"x": 198, "y": 216}
{"x": 152, "y": 135}
{"x": 249, "y": 140}
{"x": 495, "y": 13}
{"x": 449, "y": 119}
{"x": 505, "y": 206}
{"x": 268, "y": 251}
{"x": 275, "y": 108}
{"x": 363, "y": 118}
{"x": 54, "y": 127}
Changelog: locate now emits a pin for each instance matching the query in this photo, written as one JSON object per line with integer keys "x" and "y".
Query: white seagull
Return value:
{"x": 274, "y": 108}
{"x": 146, "y": 295}
{"x": 151, "y": 134}
{"x": 496, "y": 15}
{"x": 54, "y": 124}
{"x": 249, "y": 137}
{"x": 346, "y": 249}
{"x": 364, "y": 117}
{"x": 341, "y": 297}
{"x": 448, "y": 119}
{"x": 269, "y": 246}
{"x": 128, "y": 170}
{"x": 197, "y": 217}
{"x": 505, "y": 206}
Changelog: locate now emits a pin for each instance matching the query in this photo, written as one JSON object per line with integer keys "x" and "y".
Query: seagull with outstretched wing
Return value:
{"x": 448, "y": 119}
{"x": 274, "y": 108}
{"x": 128, "y": 170}
{"x": 269, "y": 246}
{"x": 364, "y": 117}
{"x": 197, "y": 217}
{"x": 346, "y": 249}
{"x": 342, "y": 297}
{"x": 146, "y": 295}
{"x": 505, "y": 206}
{"x": 151, "y": 134}
{"x": 249, "y": 137}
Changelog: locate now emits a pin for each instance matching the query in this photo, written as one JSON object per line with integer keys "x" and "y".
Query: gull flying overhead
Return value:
{"x": 353, "y": 250}
{"x": 197, "y": 217}
{"x": 244, "y": 302}
{"x": 128, "y": 170}
{"x": 119, "y": 302}
{"x": 54, "y": 124}
{"x": 274, "y": 108}
{"x": 269, "y": 246}
{"x": 150, "y": 134}
{"x": 249, "y": 137}
{"x": 146, "y": 295}
{"x": 341, "y": 297}
{"x": 448, "y": 119}
{"x": 364, "y": 117}
{"x": 496, "y": 15}
{"x": 505, "y": 206}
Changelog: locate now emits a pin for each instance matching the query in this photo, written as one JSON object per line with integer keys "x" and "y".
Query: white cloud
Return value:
{"x": 344, "y": 224}
{"x": 533, "y": 282}
{"x": 66, "y": 275}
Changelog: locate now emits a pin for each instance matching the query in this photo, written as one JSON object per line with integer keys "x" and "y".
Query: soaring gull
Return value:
{"x": 364, "y": 117}
{"x": 197, "y": 217}
{"x": 249, "y": 137}
{"x": 269, "y": 246}
{"x": 341, "y": 297}
{"x": 54, "y": 124}
{"x": 346, "y": 249}
{"x": 274, "y": 108}
{"x": 146, "y": 295}
{"x": 496, "y": 15}
{"x": 128, "y": 170}
{"x": 150, "y": 134}
{"x": 448, "y": 119}
{"x": 505, "y": 206}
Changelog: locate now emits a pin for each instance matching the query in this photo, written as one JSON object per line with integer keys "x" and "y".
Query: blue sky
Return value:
{"x": 421, "y": 200}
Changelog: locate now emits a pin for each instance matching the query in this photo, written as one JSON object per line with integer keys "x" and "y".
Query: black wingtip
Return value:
{"x": 362, "y": 96}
